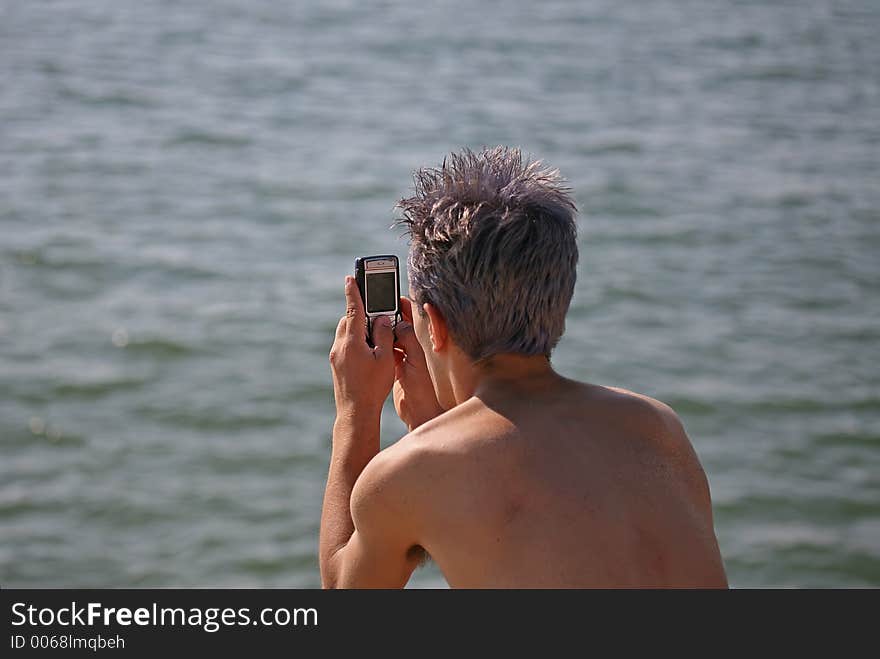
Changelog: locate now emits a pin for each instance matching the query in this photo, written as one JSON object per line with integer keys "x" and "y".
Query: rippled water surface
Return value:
{"x": 184, "y": 185}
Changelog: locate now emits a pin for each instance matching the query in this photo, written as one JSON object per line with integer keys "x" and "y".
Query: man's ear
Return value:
{"x": 436, "y": 327}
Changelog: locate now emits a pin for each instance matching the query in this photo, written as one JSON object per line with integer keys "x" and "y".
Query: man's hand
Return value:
{"x": 414, "y": 397}
{"x": 362, "y": 376}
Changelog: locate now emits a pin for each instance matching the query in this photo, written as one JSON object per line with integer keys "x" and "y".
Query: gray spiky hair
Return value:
{"x": 493, "y": 245}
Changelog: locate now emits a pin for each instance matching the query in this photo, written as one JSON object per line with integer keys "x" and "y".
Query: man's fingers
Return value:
{"x": 383, "y": 337}
{"x": 399, "y": 365}
{"x": 354, "y": 306}
{"x": 340, "y": 328}
{"x": 406, "y": 309}
{"x": 408, "y": 342}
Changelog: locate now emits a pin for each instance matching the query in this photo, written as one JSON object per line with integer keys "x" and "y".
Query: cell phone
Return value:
{"x": 378, "y": 279}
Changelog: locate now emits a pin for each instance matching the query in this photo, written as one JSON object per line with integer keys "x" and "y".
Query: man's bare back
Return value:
{"x": 557, "y": 485}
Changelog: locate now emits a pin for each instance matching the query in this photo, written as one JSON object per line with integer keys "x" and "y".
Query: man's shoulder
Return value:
{"x": 442, "y": 438}
{"x": 410, "y": 463}
{"x": 659, "y": 425}
{"x": 403, "y": 481}
{"x": 638, "y": 411}
{"x": 656, "y": 424}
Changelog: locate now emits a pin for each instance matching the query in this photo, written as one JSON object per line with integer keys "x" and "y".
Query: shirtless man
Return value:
{"x": 511, "y": 476}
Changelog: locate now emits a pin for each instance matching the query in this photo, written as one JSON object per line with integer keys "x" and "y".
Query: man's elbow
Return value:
{"x": 328, "y": 581}
{"x": 329, "y": 565}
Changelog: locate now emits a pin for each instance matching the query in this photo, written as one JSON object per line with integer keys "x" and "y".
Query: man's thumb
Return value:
{"x": 406, "y": 336}
{"x": 383, "y": 337}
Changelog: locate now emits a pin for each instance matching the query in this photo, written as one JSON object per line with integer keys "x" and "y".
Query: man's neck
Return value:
{"x": 506, "y": 374}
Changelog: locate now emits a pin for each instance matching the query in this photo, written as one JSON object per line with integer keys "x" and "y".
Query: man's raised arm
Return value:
{"x": 364, "y": 549}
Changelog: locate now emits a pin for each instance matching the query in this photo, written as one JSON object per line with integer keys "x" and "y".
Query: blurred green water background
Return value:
{"x": 184, "y": 185}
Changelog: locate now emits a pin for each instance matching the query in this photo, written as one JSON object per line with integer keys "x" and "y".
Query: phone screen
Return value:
{"x": 381, "y": 292}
